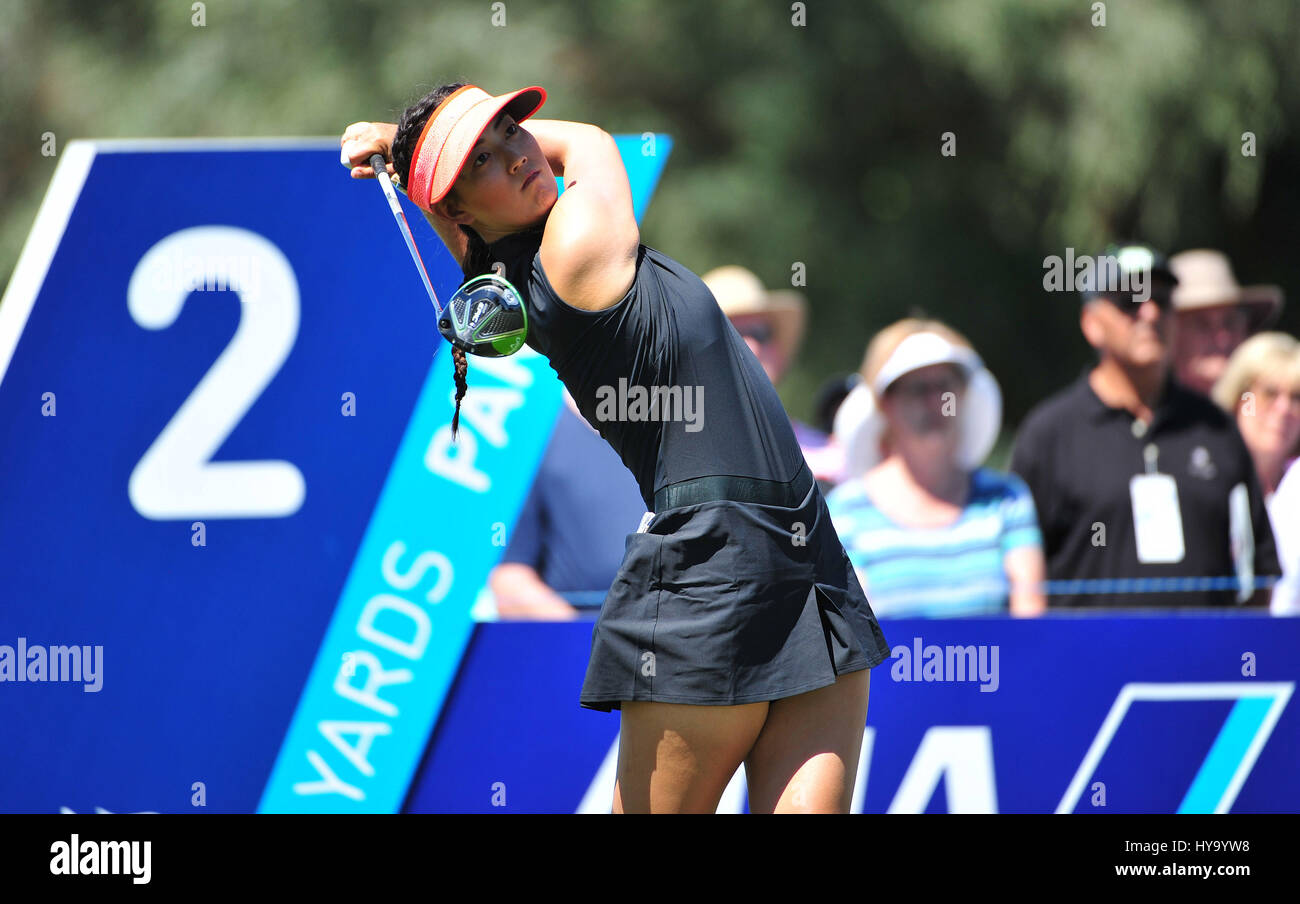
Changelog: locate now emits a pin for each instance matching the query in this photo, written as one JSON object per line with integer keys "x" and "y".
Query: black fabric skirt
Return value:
{"x": 724, "y": 603}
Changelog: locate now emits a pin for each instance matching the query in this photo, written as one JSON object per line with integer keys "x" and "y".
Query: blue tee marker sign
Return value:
{"x": 226, "y": 420}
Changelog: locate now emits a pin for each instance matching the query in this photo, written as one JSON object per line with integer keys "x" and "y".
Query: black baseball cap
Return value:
{"x": 1134, "y": 257}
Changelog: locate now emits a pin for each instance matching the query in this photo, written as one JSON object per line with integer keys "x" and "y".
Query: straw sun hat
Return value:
{"x": 739, "y": 292}
{"x": 1205, "y": 280}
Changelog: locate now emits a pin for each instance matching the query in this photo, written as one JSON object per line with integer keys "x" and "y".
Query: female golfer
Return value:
{"x": 735, "y": 631}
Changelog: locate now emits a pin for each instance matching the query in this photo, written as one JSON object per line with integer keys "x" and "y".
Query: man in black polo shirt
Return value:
{"x": 1136, "y": 479}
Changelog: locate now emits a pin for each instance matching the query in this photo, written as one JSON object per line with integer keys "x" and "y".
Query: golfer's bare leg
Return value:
{"x": 806, "y": 757}
{"x": 678, "y": 758}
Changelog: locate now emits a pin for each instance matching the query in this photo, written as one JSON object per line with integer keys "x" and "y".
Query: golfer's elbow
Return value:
{"x": 566, "y": 144}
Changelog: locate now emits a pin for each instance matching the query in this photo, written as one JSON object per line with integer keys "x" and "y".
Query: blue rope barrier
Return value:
{"x": 1152, "y": 585}
{"x": 1058, "y": 588}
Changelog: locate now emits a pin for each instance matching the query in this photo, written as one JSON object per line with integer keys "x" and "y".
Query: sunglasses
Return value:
{"x": 759, "y": 332}
{"x": 913, "y": 388}
{"x": 1161, "y": 295}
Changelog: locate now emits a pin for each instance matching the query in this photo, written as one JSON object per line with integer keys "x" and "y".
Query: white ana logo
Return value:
{"x": 102, "y": 858}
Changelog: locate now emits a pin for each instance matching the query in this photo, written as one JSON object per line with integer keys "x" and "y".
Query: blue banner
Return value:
{"x": 1105, "y": 714}
{"x": 397, "y": 636}
{"x": 240, "y": 551}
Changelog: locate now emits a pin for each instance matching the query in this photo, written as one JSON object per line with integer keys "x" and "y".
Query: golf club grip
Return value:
{"x": 379, "y": 164}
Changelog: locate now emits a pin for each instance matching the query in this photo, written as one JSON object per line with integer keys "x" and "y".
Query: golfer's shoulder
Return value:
{"x": 589, "y": 260}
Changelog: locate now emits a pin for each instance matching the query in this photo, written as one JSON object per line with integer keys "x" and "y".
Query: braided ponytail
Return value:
{"x": 462, "y": 366}
{"x": 478, "y": 258}
{"x": 477, "y": 262}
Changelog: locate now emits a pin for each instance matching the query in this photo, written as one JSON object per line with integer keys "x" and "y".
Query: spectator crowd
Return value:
{"x": 1163, "y": 476}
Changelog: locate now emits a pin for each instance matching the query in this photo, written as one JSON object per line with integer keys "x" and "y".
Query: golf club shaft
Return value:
{"x": 381, "y": 174}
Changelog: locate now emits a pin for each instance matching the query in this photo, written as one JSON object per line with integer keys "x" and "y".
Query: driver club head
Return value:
{"x": 485, "y": 317}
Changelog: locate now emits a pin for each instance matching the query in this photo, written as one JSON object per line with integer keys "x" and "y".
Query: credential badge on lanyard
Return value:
{"x": 1242, "y": 535}
{"x": 1157, "y": 521}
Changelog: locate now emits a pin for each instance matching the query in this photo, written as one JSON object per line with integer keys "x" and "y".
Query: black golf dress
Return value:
{"x": 719, "y": 602}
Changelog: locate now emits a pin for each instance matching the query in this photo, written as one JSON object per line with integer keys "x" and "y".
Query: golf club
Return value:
{"x": 486, "y": 316}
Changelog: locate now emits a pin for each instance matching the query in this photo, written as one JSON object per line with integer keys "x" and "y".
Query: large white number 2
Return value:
{"x": 176, "y": 478}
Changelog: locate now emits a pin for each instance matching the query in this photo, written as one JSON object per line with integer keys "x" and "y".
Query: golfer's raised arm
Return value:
{"x": 590, "y": 247}
{"x": 362, "y": 139}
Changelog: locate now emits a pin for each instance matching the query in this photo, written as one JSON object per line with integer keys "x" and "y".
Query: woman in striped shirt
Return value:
{"x": 929, "y": 532}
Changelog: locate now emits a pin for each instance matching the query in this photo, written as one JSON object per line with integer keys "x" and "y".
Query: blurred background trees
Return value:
{"x": 817, "y": 144}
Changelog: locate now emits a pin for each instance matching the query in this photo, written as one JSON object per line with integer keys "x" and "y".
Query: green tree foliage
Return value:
{"x": 816, "y": 143}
